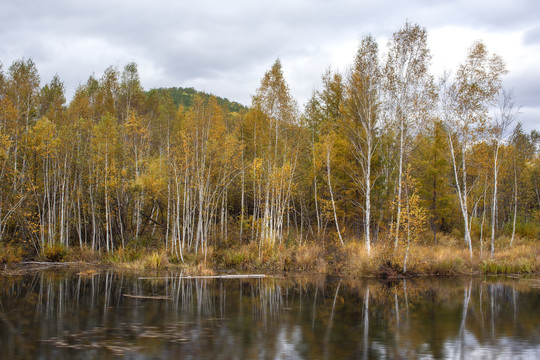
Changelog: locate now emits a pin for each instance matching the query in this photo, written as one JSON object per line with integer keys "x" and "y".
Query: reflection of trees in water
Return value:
{"x": 269, "y": 299}
{"x": 365, "y": 314}
{"x": 326, "y": 341}
{"x": 443, "y": 318}
{"x": 247, "y": 318}
{"x": 466, "y": 299}
{"x": 192, "y": 295}
{"x": 489, "y": 321}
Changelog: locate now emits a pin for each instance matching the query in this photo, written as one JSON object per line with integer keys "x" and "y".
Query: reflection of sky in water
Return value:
{"x": 287, "y": 343}
{"x": 502, "y": 348}
{"x": 65, "y": 316}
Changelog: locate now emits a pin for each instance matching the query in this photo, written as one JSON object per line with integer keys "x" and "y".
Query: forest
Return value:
{"x": 386, "y": 161}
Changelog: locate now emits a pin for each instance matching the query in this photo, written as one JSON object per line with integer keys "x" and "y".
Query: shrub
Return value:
{"x": 10, "y": 253}
{"x": 156, "y": 260}
{"x": 524, "y": 229}
{"x": 55, "y": 252}
{"x": 233, "y": 258}
{"x": 144, "y": 242}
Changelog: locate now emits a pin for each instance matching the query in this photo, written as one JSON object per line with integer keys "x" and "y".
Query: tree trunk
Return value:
{"x": 462, "y": 195}
{"x": 332, "y": 194}
{"x": 494, "y": 204}
{"x": 398, "y": 216}
{"x": 367, "y": 212}
{"x": 515, "y": 207}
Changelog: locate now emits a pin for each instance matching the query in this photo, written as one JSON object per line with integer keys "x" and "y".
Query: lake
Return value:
{"x": 109, "y": 315}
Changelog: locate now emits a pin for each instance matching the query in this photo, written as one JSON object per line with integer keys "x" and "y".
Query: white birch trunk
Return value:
{"x": 332, "y": 194}
{"x": 400, "y": 170}
{"x": 515, "y": 208}
{"x": 367, "y": 211}
{"x": 408, "y": 232}
{"x": 462, "y": 195}
{"x": 242, "y": 195}
{"x": 494, "y": 204}
{"x": 483, "y": 220}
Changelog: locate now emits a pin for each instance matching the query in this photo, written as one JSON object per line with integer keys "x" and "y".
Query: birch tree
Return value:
{"x": 130, "y": 91}
{"x": 502, "y": 120}
{"x": 106, "y": 146}
{"x": 137, "y": 141}
{"x": 11, "y": 200}
{"x": 465, "y": 107}
{"x": 22, "y": 88}
{"x": 409, "y": 91}
{"x": 274, "y": 105}
{"x": 361, "y": 120}
{"x": 324, "y": 113}
{"x": 522, "y": 150}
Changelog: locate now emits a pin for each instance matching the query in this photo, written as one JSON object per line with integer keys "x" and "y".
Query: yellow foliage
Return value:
{"x": 413, "y": 221}
{"x": 43, "y": 137}
{"x": 55, "y": 252}
{"x": 10, "y": 253}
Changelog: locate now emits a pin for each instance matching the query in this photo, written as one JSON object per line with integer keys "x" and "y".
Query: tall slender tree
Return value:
{"x": 275, "y": 107}
{"x": 502, "y": 120}
{"x": 362, "y": 121}
{"x": 465, "y": 109}
{"x": 409, "y": 89}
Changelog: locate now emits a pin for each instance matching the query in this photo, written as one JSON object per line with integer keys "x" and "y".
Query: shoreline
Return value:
{"x": 349, "y": 260}
{"x": 93, "y": 268}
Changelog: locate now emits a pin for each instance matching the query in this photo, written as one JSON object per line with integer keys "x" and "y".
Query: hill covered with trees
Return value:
{"x": 186, "y": 97}
{"x": 386, "y": 162}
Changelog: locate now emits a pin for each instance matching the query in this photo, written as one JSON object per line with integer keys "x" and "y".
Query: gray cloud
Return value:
{"x": 224, "y": 48}
{"x": 532, "y": 37}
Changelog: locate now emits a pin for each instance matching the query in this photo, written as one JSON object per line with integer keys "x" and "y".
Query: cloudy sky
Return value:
{"x": 224, "y": 47}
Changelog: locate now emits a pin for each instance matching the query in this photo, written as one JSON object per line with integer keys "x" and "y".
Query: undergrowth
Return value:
{"x": 449, "y": 257}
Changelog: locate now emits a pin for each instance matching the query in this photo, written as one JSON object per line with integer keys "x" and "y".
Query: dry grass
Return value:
{"x": 240, "y": 257}
{"x": 156, "y": 260}
{"x": 201, "y": 269}
{"x": 310, "y": 257}
{"x": 443, "y": 260}
{"x": 357, "y": 261}
{"x": 521, "y": 258}
{"x": 134, "y": 259}
{"x": 268, "y": 257}
{"x": 84, "y": 255}
{"x": 449, "y": 257}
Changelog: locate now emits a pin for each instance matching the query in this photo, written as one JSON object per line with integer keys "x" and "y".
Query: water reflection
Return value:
{"x": 111, "y": 314}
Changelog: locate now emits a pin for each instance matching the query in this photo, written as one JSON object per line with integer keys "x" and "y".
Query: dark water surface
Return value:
{"x": 65, "y": 315}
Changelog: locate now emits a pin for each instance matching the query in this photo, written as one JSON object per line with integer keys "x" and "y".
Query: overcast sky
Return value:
{"x": 224, "y": 47}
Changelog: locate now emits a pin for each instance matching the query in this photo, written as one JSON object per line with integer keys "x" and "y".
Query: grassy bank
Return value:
{"x": 450, "y": 257}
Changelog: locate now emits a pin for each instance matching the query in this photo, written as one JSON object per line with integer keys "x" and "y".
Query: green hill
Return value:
{"x": 186, "y": 96}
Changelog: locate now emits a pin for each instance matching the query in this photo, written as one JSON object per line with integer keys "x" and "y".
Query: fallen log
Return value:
{"x": 147, "y": 297}
{"x": 51, "y": 263}
{"x": 245, "y": 276}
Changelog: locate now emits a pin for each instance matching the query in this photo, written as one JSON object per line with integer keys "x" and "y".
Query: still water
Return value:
{"x": 109, "y": 315}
